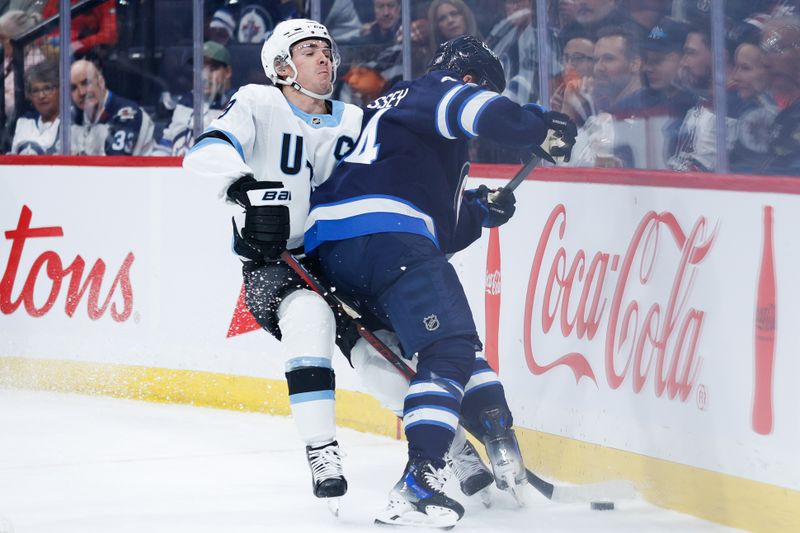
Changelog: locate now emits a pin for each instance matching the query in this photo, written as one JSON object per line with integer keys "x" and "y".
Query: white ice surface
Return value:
{"x": 77, "y": 464}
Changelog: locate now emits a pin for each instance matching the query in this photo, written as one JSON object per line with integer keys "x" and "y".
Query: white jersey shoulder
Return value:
{"x": 275, "y": 141}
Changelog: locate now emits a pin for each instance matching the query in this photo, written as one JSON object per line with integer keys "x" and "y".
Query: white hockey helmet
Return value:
{"x": 276, "y": 51}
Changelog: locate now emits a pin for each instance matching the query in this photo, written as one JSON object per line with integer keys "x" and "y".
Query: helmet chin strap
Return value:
{"x": 292, "y": 82}
{"x": 306, "y": 92}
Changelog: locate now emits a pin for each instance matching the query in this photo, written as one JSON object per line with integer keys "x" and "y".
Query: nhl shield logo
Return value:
{"x": 431, "y": 322}
{"x": 316, "y": 121}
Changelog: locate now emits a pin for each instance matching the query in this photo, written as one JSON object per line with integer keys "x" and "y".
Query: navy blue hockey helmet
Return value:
{"x": 468, "y": 55}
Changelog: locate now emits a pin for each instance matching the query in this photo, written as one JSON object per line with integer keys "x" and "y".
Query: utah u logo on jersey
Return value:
{"x": 293, "y": 167}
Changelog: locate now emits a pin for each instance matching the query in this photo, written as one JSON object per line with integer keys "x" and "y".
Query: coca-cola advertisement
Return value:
{"x": 647, "y": 319}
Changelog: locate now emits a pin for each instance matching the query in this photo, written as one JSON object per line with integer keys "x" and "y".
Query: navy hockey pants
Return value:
{"x": 408, "y": 286}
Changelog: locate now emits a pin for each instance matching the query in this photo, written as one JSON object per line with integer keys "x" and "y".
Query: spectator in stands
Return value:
{"x": 567, "y": 10}
{"x": 221, "y": 27}
{"x": 663, "y": 100}
{"x": 751, "y": 109}
{"x": 342, "y": 20}
{"x": 592, "y": 15}
{"x": 663, "y": 50}
{"x": 696, "y": 144}
{"x": 647, "y": 13}
{"x": 572, "y": 93}
{"x": 12, "y": 24}
{"x": 36, "y": 132}
{"x": 616, "y": 96}
{"x": 617, "y": 70}
{"x": 449, "y": 19}
{"x": 95, "y": 27}
{"x": 178, "y": 137}
{"x": 781, "y": 45}
{"x": 382, "y": 30}
{"x": 514, "y": 40}
{"x": 381, "y": 66}
{"x": 104, "y": 123}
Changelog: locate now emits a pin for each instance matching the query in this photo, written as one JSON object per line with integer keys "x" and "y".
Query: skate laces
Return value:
{"x": 434, "y": 477}
{"x": 326, "y": 463}
{"x": 466, "y": 463}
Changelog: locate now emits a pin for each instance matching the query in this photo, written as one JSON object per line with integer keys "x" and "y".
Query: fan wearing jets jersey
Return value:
{"x": 36, "y": 132}
{"x": 382, "y": 226}
{"x": 269, "y": 148}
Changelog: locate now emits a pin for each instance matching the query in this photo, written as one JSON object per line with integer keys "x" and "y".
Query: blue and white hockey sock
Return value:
{"x": 430, "y": 415}
{"x": 311, "y": 395}
{"x": 483, "y": 391}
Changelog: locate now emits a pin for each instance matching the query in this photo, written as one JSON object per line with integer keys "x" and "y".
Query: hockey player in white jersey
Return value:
{"x": 271, "y": 145}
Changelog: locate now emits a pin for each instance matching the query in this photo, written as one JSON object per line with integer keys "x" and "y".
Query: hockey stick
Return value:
{"x": 337, "y": 304}
{"x": 518, "y": 178}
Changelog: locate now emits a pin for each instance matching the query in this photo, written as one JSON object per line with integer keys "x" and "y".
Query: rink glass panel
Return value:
{"x": 654, "y": 103}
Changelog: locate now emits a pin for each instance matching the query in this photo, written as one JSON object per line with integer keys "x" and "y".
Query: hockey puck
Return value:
{"x": 602, "y": 506}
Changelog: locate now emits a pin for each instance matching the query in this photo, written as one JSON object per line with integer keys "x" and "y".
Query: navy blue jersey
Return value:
{"x": 407, "y": 171}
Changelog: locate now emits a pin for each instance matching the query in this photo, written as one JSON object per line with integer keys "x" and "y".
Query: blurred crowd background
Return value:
{"x": 687, "y": 85}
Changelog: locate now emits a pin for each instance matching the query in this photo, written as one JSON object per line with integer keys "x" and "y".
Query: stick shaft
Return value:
{"x": 338, "y": 305}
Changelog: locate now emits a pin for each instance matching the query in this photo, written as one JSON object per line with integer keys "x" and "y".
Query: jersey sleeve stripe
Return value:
{"x": 456, "y": 105}
{"x": 229, "y": 137}
{"x": 442, "y": 110}
{"x": 471, "y": 111}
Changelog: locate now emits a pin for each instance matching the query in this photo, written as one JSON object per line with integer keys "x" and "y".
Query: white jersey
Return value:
{"x": 697, "y": 145}
{"x": 32, "y": 136}
{"x": 275, "y": 141}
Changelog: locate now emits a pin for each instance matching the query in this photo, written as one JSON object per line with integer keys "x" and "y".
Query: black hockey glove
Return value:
{"x": 498, "y": 206}
{"x": 561, "y": 133}
{"x": 263, "y": 235}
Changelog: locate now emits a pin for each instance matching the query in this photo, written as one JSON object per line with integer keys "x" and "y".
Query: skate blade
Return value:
{"x": 333, "y": 505}
{"x": 438, "y": 518}
{"x": 486, "y": 497}
{"x": 514, "y": 488}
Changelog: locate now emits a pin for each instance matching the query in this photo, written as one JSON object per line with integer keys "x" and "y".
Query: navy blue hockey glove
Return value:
{"x": 498, "y": 206}
{"x": 561, "y": 133}
{"x": 263, "y": 235}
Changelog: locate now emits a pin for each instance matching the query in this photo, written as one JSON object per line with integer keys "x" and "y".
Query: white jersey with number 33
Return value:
{"x": 261, "y": 133}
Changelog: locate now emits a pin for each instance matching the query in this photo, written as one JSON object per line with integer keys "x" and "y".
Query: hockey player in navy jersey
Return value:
{"x": 268, "y": 149}
{"x": 383, "y": 225}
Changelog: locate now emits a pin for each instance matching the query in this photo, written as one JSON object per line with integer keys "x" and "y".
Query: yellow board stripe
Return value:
{"x": 720, "y": 498}
{"x": 207, "y": 389}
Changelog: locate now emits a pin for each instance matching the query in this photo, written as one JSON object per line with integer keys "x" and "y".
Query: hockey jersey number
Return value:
{"x": 366, "y": 151}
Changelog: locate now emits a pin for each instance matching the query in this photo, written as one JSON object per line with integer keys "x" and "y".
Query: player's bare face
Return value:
{"x": 314, "y": 61}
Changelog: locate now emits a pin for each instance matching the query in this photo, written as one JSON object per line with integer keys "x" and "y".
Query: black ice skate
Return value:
{"x": 418, "y": 499}
{"x": 472, "y": 473}
{"x": 503, "y": 451}
{"x": 327, "y": 478}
